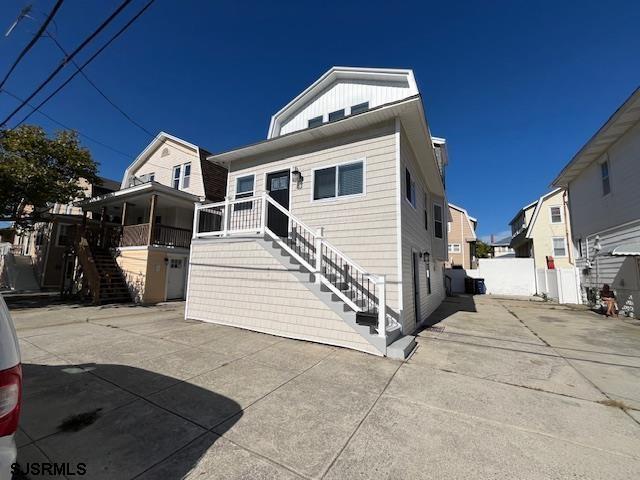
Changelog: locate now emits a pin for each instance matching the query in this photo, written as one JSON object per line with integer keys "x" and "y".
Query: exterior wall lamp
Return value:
{"x": 297, "y": 177}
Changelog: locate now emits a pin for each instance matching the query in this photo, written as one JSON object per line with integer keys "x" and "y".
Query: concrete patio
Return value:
{"x": 498, "y": 389}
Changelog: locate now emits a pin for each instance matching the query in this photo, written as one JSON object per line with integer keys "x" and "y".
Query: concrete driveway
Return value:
{"x": 499, "y": 389}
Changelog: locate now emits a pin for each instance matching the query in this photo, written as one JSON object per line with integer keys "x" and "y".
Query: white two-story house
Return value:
{"x": 603, "y": 184}
{"x": 334, "y": 227}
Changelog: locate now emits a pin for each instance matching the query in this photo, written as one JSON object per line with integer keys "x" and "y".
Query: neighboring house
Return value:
{"x": 603, "y": 183}
{"x": 334, "y": 230}
{"x": 462, "y": 238}
{"x": 149, "y": 220}
{"x": 501, "y": 248}
{"x": 541, "y": 231}
{"x": 48, "y": 242}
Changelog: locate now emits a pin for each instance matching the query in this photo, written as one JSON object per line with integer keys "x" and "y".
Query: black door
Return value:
{"x": 278, "y": 186}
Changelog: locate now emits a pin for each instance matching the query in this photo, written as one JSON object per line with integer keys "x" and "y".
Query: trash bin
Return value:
{"x": 479, "y": 286}
{"x": 469, "y": 286}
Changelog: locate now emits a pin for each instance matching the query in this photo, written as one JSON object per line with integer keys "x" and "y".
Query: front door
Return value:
{"x": 278, "y": 186}
{"x": 176, "y": 270}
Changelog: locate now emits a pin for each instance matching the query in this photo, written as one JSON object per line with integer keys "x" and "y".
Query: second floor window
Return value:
{"x": 426, "y": 215}
{"x": 437, "y": 220}
{"x": 606, "y": 184}
{"x": 175, "y": 179}
{"x": 556, "y": 214}
{"x": 181, "y": 177}
{"x": 410, "y": 186}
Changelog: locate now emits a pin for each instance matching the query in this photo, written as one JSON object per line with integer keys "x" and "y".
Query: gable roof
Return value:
{"x": 149, "y": 149}
{"x": 524, "y": 209}
{"x": 340, "y": 73}
{"x": 536, "y": 212}
{"x": 409, "y": 110}
{"x": 469, "y": 218}
{"x": 627, "y": 115}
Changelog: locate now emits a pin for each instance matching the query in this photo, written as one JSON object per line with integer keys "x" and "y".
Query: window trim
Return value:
{"x": 413, "y": 204}
{"x": 337, "y": 197}
{"x": 344, "y": 114}
{"x": 551, "y": 214}
{"x": 553, "y": 248}
{"x": 608, "y": 177}
{"x": 253, "y": 189}
{"x": 182, "y": 175}
{"x": 173, "y": 176}
{"x": 441, "y": 237}
{"x": 452, "y": 250}
{"x": 58, "y": 230}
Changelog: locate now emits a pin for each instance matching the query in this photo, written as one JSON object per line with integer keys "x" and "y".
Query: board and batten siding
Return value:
{"x": 415, "y": 238}
{"x": 363, "y": 227}
{"x": 345, "y": 95}
{"x": 168, "y": 155}
{"x": 237, "y": 282}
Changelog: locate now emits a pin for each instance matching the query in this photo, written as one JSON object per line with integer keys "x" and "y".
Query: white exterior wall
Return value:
{"x": 237, "y": 282}
{"x": 415, "y": 238}
{"x": 162, "y": 166}
{"x": 614, "y": 217}
{"x": 362, "y": 227}
{"x": 343, "y": 94}
{"x": 507, "y": 276}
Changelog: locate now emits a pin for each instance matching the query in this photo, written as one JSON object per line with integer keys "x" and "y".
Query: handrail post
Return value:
{"x": 263, "y": 214}
{"x": 382, "y": 306}
{"x": 225, "y": 217}
{"x": 196, "y": 220}
{"x": 318, "y": 247}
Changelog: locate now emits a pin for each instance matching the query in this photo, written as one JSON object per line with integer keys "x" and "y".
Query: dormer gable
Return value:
{"x": 342, "y": 92}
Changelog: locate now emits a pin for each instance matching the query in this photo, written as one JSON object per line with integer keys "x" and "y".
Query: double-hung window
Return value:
{"x": 410, "y": 188}
{"x": 175, "y": 178}
{"x": 63, "y": 239}
{"x": 556, "y": 214}
{"x": 454, "y": 248}
{"x": 181, "y": 176}
{"x": 244, "y": 189}
{"x": 437, "y": 220}
{"x": 338, "y": 181}
{"x": 426, "y": 214}
{"x": 604, "y": 172}
{"x": 427, "y": 267}
{"x": 559, "y": 247}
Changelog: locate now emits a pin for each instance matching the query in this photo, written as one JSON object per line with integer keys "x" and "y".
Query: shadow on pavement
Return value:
{"x": 450, "y": 306}
{"x": 79, "y": 414}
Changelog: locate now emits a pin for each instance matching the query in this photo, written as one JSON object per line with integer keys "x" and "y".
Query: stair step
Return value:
{"x": 368, "y": 319}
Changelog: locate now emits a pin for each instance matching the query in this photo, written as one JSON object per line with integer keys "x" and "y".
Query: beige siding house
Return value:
{"x": 462, "y": 238}
{"x": 542, "y": 231}
{"x": 333, "y": 228}
{"x": 602, "y": 181}
{"x": 147, "y": 225}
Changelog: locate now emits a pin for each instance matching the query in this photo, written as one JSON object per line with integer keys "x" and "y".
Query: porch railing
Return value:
{"x": 359, "y": 289}
{"x": 137, "y": 235}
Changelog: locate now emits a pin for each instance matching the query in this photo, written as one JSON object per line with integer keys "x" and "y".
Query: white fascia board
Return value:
{"x": 333, "y": 74}
{"x": 467, "y": 217}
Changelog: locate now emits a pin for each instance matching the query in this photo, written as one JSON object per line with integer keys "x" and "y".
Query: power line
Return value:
{"x": 102, "y": 144}
{"x": 86, "y": 77}
{"x": 64, "y": 62}
{"x": 81, "y": 67}
{"x": 33, "y": 41}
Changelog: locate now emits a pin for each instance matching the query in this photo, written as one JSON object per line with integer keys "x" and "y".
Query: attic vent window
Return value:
{"x": 165, "y": 152}
{"x": 359, "y": 108}
{"x": 337, "y": 115}
{"x": 315, "y": 122}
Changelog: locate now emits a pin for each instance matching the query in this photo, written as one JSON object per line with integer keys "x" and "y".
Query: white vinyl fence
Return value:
{"x": 502, "y": 276}
{"x": 561, "y": 284}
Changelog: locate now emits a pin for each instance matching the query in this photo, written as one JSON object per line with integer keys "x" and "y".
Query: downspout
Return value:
{"x": 463, "y": 241}
{"x": 566, "y": 227}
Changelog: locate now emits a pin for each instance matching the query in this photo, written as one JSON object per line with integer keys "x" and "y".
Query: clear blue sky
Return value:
{"x": 516, "y": 87}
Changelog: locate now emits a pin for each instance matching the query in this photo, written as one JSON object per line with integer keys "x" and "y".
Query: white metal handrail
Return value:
{"x": 314, "y": 259}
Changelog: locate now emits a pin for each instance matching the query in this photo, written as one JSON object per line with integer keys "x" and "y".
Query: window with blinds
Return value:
{"x": 437, "y": 220}
{"x": 338, "y": 181}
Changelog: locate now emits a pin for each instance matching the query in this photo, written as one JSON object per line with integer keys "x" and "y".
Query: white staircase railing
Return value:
{"x": 362, "y": 291}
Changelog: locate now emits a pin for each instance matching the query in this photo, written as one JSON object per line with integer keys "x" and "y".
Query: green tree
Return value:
{"x": 37, "y": 170}
{"x": 483, "y": 250}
